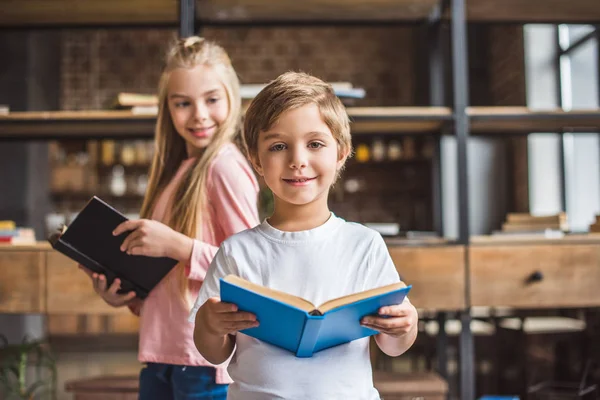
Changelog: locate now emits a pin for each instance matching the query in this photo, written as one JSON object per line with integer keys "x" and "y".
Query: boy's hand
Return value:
{"x": 400, "y": 320}
{"x": 220, "y": 318}
{"x": 109, "y": 295}
{"x": 154, "y": 239}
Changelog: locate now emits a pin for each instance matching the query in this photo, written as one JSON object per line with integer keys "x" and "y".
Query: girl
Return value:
{"x": 201, "y": 190}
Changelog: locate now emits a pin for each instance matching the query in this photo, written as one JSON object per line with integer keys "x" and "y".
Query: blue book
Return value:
{"x": 295, "y": 324}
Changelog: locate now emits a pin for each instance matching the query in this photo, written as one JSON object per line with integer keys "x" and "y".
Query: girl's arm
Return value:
{"x": 232, "y": 197}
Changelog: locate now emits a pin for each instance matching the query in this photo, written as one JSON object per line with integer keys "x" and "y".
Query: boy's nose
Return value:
{"x": 298, "y": 160}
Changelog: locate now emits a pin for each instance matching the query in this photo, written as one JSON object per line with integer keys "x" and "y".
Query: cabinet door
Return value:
{"x": 437, "y": 274}
{"x": 535, "y": 275}
{"x": 22, "y": 281}
{"x": 70, "y": 290}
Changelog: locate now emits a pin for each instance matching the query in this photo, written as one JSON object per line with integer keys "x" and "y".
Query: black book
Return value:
{"x": 89, "y": 241}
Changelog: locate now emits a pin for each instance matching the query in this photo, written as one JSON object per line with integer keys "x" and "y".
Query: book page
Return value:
{"x": 342, "y": 301}
{"x": 286, "y": 298}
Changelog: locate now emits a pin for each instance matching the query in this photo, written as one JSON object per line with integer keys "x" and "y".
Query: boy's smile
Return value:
{"x": 300, "y": 181}
{"x": 298, "y": 157}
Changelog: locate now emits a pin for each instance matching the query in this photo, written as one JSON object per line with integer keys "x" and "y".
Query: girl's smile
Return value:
{"x": 202, "y": 132}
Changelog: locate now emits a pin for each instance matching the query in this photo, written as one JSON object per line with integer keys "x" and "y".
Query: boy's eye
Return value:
{"x": 315, "y": 145}
{"x": 277, "y": 147}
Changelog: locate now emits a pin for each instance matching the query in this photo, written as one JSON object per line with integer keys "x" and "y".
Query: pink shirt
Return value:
{"x": 232, "y": 189}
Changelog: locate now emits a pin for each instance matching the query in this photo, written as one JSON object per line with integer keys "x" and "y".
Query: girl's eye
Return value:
{"x": 181, "y": 104}
{"x": 277, "y": 147}
{"x": 213, "y": 100}
{"x": 315, "y": 145}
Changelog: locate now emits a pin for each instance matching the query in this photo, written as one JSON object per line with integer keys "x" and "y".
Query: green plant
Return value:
{"x": 265, "y": 202}
{"x": 16, "y": 360}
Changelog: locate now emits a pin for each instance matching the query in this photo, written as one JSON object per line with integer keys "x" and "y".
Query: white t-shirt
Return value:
{"x": 333, "y": 260}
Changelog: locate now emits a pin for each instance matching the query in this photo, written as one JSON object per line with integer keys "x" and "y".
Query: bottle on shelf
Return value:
{"x": 118, "y": 184}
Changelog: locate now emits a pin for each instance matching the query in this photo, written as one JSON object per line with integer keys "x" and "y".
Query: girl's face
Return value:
{"x": 298, "y": 157}
{"x": 198, "y": 105}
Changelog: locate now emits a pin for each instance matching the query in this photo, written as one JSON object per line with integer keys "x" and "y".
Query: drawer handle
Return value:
{"x": 536, "y": 276}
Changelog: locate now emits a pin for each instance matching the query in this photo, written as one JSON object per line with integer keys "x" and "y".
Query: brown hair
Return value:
{"x": 293, "y": 90}
{"x": 189, "y": 199}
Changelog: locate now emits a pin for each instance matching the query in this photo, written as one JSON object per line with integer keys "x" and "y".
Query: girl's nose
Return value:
{"x": 201, "y": 112}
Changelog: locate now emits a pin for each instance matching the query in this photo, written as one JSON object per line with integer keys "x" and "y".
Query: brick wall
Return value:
{"x": 97, "y": 64}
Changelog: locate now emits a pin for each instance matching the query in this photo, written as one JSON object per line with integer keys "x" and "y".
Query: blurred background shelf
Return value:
{"x": 76, "y": 124}
{"x": 521, "y": 120}
{"x": 95, "y": 124}
{"x": 421, "y": 120}
{"x": 222, "y": 12}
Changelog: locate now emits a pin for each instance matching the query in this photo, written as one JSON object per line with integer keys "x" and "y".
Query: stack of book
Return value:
{"x": 595, "y": 227}
{"x": 527, "y": 223}
{"x": 140, "y": 104}
{"x": 147, "y": 104}
{"x": 11, "y": 234}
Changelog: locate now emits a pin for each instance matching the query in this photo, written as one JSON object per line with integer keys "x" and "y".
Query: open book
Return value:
{"x": 89, "y": 241}
{"x": 295, "y": 324}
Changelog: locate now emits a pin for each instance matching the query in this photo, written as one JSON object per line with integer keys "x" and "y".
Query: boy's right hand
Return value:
{"x": 109, "y": 295}
{"x": 220, "y": 318}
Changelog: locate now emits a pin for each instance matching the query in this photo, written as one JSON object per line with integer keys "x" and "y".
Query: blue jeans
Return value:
{"x": 178, "y": 382}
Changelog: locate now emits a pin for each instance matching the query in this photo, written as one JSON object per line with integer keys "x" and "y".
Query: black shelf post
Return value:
{"x": 187, "y": 18}
{"x": 559, "y": 92}
{"x": 461, "y": 125}
{"x": 437, "y": 97}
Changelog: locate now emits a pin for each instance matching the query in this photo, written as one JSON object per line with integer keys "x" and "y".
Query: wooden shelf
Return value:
{"x": 523, "y": 11}
{"x": 521, "y": 120}
{"x": 124, "y": 124}
{"x": 166, "y": 12}
{"x": 76, "y": 124}
{"x": 18, "y": 13}
{"x": 524, "y": 240}
{"x": 365, "y": 120}
{"x": 398, "y": 119}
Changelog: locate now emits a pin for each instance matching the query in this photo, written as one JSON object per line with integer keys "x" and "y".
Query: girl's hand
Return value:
{"x": 109, "y": 295}
{"x": 401, "y": 319}
{"x": 154, "y": 239}
{"x": 220, "y": 319}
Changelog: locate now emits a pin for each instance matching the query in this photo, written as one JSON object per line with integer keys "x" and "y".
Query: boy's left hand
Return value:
{"x": 150, "y": 238}
{"x": 400, "y": 319}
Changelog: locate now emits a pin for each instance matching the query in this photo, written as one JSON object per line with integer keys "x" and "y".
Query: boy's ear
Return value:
{"x": 256, "y": 164}
{"x": 342, "y": 157}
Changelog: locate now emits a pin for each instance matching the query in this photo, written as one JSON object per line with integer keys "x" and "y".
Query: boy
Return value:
{"x": 298, "y": 138}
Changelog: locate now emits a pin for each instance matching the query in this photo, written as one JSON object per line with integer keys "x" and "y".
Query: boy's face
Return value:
{"x": 298, "y": 156}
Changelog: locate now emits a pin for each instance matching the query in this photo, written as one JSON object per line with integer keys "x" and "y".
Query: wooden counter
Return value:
{"x": 23, "y": 282}
{"x": 535, "y": 273}
{"x": 437, "y": 273}
{"x": 37, "y": 279}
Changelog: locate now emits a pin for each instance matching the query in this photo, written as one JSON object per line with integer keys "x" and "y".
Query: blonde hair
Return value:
{"x": 170, "y": 148}
{"x": 289, "y": 91}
